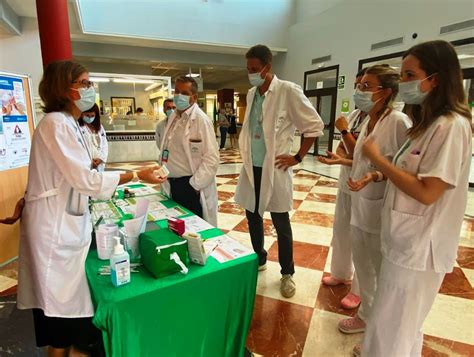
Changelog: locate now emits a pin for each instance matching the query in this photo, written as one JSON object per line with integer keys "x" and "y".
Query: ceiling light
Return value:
{"x": 152, "y": 86}
{"x": 192, "y": 75}
{"x": 464, "y": 56}
{"x": 99, "y": 79}
{"x": 134, "y": 80}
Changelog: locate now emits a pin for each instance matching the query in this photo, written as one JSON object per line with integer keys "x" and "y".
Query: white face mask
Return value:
{"x": 256, "y": 79}
{"x": 410, "y": 92}
{"x": 87, "y": 99}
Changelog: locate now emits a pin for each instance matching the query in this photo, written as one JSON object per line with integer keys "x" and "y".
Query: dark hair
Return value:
{"x": 389, "y": 79}
{"x": 361, "y": 72}
{"x": 56, "y": 83}
{"x": 438, "y": 58}
{"x": 184, "y": 79}
{"x": 96, "y": 122}
{"x": 166, "y": 101}
{"x": 139, "y": 110}
{"x": 260, "y": 52}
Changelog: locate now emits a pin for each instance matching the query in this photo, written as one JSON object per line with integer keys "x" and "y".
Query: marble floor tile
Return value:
{"x": 457, "y": 284}
{"x": 228, "y": 221}
{"x": 326, "y": 182}
{"x": 329, "y": 298}
{"x": 321, "y": 197}
{"x": 327, "y": 267}
{"x": 321, "y": 207}
{"x": 325, "y": 340}
{"x": 268, "y": 228}
{"x": 311, "y": 234}
{"x": 278, "y": 328}
{"x": 302, "y": 188}
{"x": 449, "y": 318}
{"x": 439, "y": 347}
{"x": 224, "y": 196}
{"x": 227, "y": 188}
{"x": 297, "y": 204}
{"x": 231, "y": 207}
{"x": 7, "y": 283}
{"x": 469, "y": 273}
{"x": 298, "y": 195}
{"x": 305, "y": 255}
{"x": 318, "y": 219}
{"x": 307, "y": 283}
{"x": 223, "y": 180}
{"x": 324, "y": 189}
{"x": 465, "y": 257}
{"x": 298, "y": 180}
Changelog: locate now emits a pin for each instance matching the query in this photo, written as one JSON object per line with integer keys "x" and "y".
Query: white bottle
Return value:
{"x": 119, "y": 265}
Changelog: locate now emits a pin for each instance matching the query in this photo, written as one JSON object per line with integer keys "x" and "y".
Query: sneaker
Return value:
{"x": 287, "y": 287}
{"x": 332, "y": 281}
{"x": 262, "y": 267}
{"x": 351, "y": 325}
{"x": 357, "y": 351}
{"x": 350, "y": 301}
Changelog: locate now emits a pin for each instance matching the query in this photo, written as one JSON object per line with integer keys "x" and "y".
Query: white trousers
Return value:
{"x": 342, "y": 267}
{"x": 367, "y": 259}
{"x": 403, "y": 299}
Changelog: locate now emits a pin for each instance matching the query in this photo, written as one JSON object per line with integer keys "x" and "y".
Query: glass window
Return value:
{"x": 320, "y": 80}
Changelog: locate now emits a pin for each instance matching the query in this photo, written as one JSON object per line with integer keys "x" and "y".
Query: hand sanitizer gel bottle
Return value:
{"x": 119, "y": 265}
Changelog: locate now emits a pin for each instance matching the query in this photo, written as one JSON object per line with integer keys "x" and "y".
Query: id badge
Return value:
{"x": 164, "y": 156}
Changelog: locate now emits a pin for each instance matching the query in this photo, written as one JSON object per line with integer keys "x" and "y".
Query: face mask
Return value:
{"x": 410, "y": 92}
{"x": 87, "y": 98}
{"x": 181, "y": 101}
{"x": 363, "y": 100}
{"x": 169, "y": 112}
{"x": 88, "y": 120}
{"x": 255, "y": 79}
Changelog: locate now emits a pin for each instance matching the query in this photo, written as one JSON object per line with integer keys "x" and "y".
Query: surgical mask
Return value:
{"x": 410, "y": 92}
{"x": 255, "y": 79}
{"x": 363, "y": 100}
{"x": 169, "y": 112}
{"x": 87, "y": 98}
{"x": 88, "y": 120}
{"x": 181, "y": 101}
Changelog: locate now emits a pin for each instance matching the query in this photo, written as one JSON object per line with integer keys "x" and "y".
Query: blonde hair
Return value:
{"x": 389, "y": 79}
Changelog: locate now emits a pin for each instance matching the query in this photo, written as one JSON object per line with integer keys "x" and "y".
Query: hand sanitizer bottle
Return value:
{"x": 119, "y": 265}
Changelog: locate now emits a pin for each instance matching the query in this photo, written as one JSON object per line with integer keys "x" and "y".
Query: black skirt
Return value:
{"x": 60, "y": 332}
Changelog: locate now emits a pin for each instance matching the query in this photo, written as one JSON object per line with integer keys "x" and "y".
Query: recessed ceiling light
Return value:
{"x": 99, "y": 79}
{"x": 134, "y": 80}
{"x": 192, "y": 75}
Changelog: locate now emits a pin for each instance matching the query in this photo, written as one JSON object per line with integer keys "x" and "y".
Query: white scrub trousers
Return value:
{"x": 342, "y": 267}
{"x": 367, "y": 259}
{"x": 403, "y": 299}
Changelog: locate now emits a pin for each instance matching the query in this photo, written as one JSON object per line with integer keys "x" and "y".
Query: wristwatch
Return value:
{"x": 298, "y": 158}
{"x": 344, "y": 132}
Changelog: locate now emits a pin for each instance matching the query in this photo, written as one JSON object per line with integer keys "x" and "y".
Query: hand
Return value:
{"x": 333, "y": 159}
{"x": 285, "y": 161}
{"x": 16, "y": 214}
{"x": 361, "y": 183}
{"x": 149, "y": 176}
{"x": 371, "y": 150}
{"x": 341, "y": 123}
{"x": 96, "y": 163}
{"x": 126, "y": 177}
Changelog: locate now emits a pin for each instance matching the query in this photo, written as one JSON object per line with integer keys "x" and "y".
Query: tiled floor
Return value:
{"x": 305, "y": 325}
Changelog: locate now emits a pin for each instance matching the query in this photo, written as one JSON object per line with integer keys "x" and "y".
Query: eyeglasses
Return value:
{"x": 364, "y": 87}
{"x": 84, "y": 83}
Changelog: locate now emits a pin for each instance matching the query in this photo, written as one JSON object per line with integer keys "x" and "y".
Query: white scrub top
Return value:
{"x": 389, "y": 134}
{"x": 413, "y": 233}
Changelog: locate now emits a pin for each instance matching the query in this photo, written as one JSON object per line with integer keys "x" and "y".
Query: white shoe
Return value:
{"x": 262, "y": 267}
{"x": 288, "y": 286}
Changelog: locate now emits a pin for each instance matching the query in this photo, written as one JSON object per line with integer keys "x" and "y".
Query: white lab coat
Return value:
{"x": 203, "y": 158}
{"x": 56, "y": 225}
{"x": 160, "y": 129}
{"x": 100, "y": 149}
{"x": 285, "y": 108}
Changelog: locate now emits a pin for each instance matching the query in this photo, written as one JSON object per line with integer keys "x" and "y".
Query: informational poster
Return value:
{"x": 15, "y": 143}
{"x": 345, "y": 106}
{"x": 341, "y": 82}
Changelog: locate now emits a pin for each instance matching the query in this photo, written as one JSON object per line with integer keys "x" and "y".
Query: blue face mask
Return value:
{"x": 88, "y": 120}
{"x": 410, "y": 92}
{"x": 169, "y": 112}
{"x": 181, "y": 101}
{"x": 363, "y": 100}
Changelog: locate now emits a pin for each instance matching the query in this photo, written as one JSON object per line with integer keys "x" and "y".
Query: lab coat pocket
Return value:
{"x": 366, "y": 213}
{"x": 75, "y": 231}
{"x": 196, "y": 148}
{"x": 406, "y": 232}
{"x": 410, "y": 163}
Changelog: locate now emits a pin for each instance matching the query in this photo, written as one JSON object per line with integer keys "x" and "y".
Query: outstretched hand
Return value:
{"x": 16, "y": 214}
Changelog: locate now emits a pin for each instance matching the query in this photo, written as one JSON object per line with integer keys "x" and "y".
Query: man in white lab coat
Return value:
{"x": 168, "y": 109}
{"x": 275, "y": 108}
{"x": 189, "y": 150}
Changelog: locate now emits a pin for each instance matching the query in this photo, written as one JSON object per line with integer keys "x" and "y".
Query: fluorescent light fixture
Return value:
{"x": 140, "y": 81}
{"x": 464, "y": 56}
{"x": 99, "y": 79}
{"x": 192, "y": 75}
{"x": 152, "y": 86}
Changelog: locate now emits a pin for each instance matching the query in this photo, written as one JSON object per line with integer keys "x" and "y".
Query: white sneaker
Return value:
{"x": 288, "y": 286}
{"x": 262, "y": 267}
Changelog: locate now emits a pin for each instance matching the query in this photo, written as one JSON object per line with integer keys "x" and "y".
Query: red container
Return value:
{"x": 177, "y": 225}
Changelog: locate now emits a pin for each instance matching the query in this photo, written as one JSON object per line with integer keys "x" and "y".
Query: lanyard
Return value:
{"x": 401, "y": 151}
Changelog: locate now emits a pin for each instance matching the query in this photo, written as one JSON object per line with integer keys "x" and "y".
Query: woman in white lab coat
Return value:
{"x": 95, "y": 136}
{"x": 374, "y": 95}
{"x": 56, "y": 225}
{"x": 425, "y": 199}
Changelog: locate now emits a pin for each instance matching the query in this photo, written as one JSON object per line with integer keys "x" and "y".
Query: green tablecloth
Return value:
{"x": 204, "y": 313}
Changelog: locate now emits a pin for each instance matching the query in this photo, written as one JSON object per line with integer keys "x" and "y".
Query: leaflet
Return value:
{"x": 196, "y": 224}
{"x": 228, "y": 249}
